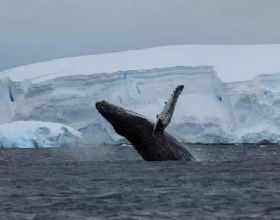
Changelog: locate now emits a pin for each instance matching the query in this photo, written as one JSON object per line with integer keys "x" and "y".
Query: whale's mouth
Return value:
{"x": 106, "y": 109}
{"x": 111, "y": 112}
{"x": 101, "y": 106}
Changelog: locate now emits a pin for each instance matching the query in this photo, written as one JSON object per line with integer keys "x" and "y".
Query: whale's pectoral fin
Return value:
{"x": 164, "y": 118}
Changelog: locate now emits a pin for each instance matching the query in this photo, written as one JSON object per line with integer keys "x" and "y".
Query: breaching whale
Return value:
{"x": 149, "y": 139}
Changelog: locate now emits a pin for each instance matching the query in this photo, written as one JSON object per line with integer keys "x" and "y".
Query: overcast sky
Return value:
{"x": 38, "y": 30}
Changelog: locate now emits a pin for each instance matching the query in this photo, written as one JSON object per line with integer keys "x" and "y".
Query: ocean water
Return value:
{"x": 113, "y": 182}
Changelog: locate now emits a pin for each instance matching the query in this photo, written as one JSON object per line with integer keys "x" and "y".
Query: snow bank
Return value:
{"x": 35, "y": 134}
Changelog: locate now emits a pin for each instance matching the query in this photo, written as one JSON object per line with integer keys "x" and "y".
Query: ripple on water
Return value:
{"x": 114, "y": 183}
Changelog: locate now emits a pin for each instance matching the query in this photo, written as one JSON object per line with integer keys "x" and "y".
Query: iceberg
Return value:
{"x": 36, "y": 134}
{"x": 214, "y": 107}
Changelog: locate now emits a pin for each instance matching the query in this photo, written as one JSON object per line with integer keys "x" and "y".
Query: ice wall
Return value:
{"x": 208, "y": 110}
{"x": 256, "y": 109}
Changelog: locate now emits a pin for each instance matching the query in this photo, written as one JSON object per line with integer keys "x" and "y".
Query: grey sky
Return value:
{"x": 38, "y": 30}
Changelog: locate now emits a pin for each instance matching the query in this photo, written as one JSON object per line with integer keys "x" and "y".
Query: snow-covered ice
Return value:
{"x": 36, "y": 134}
{"x": 231, "y": 62}
{"x": 209, "y": 110}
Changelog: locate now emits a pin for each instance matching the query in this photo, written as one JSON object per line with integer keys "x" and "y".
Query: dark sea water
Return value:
{"x": 110, "y": 182}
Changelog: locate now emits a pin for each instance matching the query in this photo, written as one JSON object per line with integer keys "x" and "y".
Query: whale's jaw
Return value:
{"x": 110, "y": 112}
{"x": 126, "y": 123}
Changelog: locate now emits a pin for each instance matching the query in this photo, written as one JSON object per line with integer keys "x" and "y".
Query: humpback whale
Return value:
{"x": 149, "y": 139}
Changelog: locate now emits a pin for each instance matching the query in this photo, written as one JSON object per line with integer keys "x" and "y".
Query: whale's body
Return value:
{"x": 149, "y": 139}
{"x": 138, "y": 130}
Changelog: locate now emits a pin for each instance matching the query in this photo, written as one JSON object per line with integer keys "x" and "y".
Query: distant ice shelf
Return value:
{"x": 231, "y": 62}
{"x": 209, "y": 110}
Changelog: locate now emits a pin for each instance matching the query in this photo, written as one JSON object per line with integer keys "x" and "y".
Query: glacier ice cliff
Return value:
{"x": 208, "y": 111}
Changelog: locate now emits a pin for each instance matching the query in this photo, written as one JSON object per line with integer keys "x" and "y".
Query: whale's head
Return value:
{"x": 112, "y": 113}
{"x": 126, "y": 123}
